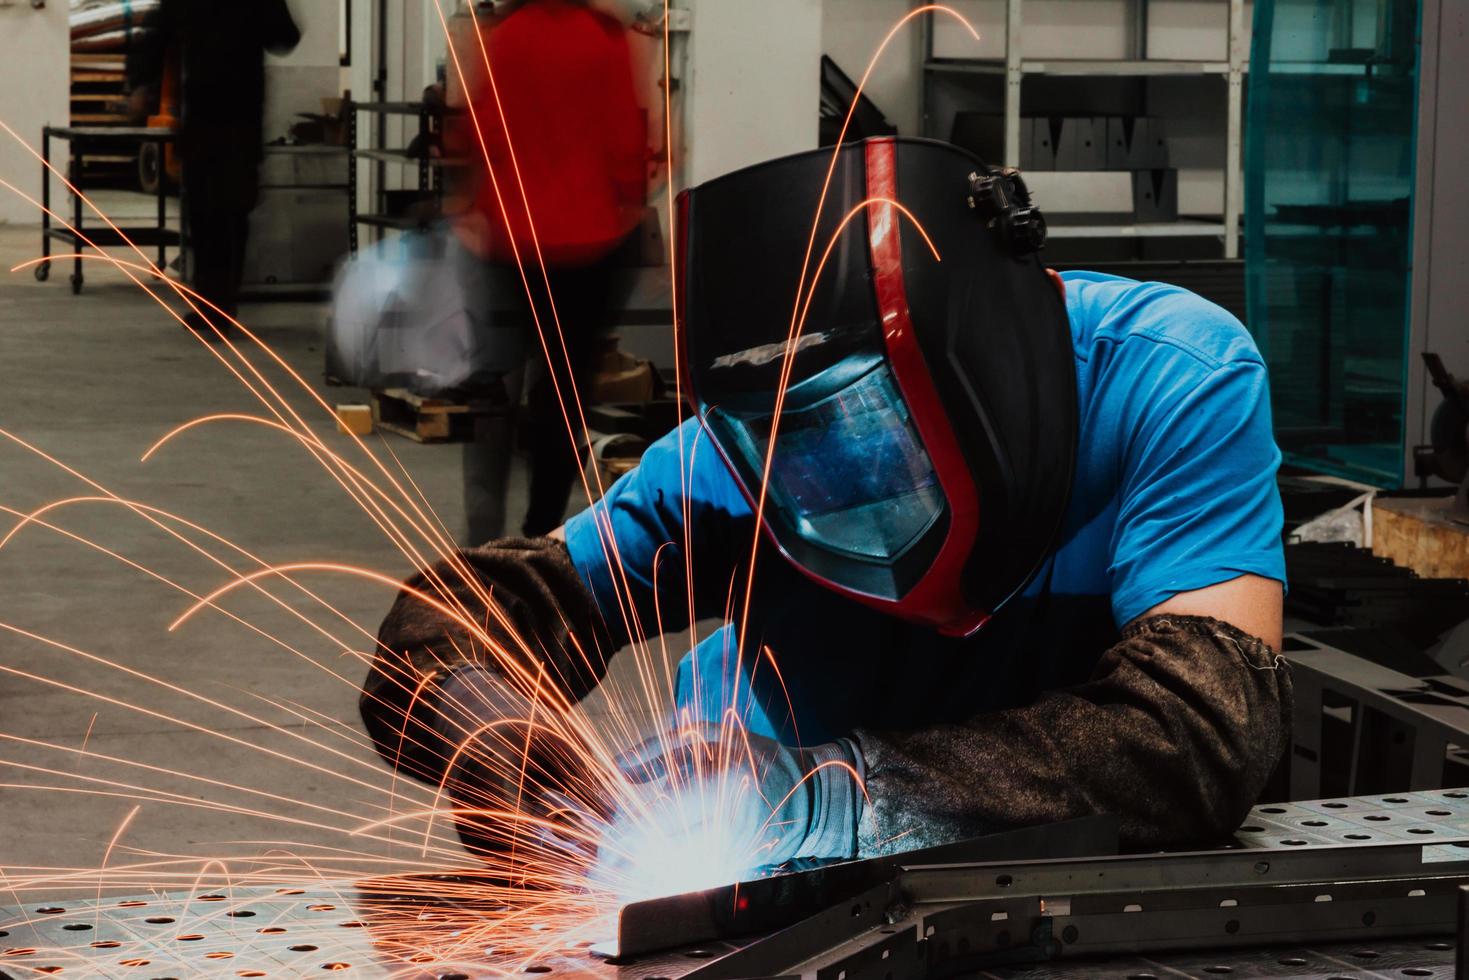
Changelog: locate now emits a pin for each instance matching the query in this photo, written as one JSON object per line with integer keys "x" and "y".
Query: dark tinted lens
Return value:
{"x": 849, "y": 471}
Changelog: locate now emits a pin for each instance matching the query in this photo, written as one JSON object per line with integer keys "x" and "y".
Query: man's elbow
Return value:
{"x": 1210, "y": 800}
{"x": 1226, "y": 722}
{"x": 1223, "y": 802}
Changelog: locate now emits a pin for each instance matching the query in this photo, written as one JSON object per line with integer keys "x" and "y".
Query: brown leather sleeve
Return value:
{"x": 1176, "y": 733}
{"x": 557, "y": 625}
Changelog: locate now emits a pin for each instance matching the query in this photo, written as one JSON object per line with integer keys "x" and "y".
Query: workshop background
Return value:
{"x": 1308, "y": 179}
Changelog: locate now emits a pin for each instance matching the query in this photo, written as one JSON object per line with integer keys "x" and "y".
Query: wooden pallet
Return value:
{"x": 95, "y": 58}
{"x": 427, "y": 419}
{"x": 1421, "y": 533}
{"x": 98, "y": 90}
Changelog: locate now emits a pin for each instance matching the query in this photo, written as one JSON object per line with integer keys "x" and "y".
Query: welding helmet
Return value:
{"x": 924, "y": 424}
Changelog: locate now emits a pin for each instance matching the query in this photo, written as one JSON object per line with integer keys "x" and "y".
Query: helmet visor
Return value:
{"x": 847, "y": 472}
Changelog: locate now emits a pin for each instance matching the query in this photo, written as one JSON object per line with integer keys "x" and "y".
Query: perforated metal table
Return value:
{"x": 299, "y": 932}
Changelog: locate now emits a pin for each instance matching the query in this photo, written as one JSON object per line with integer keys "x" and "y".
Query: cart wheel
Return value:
{"x": 76, "y": 284}
{"x": 150, "y": 167}
{"x": 43, "y": 272}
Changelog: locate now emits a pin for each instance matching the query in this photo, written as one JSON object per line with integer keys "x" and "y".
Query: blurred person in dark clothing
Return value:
{"x": 219, "y": 48}
{"x": 563, "y": 77}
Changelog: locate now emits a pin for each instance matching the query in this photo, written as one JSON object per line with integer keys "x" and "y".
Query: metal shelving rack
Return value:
{"x": 429, "y": 169}
{"x": 1014, "y": 68}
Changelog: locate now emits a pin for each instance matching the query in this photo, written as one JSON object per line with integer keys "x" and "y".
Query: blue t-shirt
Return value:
{"x": 1174, "y": 490}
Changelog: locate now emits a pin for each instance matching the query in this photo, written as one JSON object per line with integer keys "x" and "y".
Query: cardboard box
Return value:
{"x": 1042, "y": 144}
{"x": 981, "y": 133}
{"x": 1119, "y": 141}
{"x": 623, "y": 378}
{"x": 354, "y": 419}
{"x": 1080, "y": 146}
{"x": 1135, "y": 143}
{"x": 1155, "y": 195}
{"x": 296, "y": 236}
{"x": 1148, "y": 149}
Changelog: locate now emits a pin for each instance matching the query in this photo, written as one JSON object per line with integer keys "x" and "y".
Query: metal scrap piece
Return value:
{"x": 770, "y": 903}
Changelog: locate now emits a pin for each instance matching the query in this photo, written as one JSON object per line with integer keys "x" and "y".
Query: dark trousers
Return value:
{"x": 221, "y": 187}
{"x": 586, "y": 304}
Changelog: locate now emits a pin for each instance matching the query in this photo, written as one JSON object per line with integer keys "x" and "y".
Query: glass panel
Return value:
{"x": 1329, "y": 170}
{"x": 850, "y": 471}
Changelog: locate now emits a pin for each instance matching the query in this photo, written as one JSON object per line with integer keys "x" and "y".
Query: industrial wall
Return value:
{"x": 1441, "y": 214}
{"x": 35, "y": 52}
{"x": 1181, "y": 29}
{"x": 753, "y": 82}
{"x": 851, "y": 30}
{"x": 415, "y": 47}
{"x": 299, "y": 81}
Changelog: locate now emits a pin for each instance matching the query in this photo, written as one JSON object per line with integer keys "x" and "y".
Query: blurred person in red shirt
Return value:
{"x": 567, "y": 168}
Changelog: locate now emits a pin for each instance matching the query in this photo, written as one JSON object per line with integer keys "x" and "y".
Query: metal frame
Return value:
{"x": 429, "y": 170}
{"x": 1234, "y": 130}
{"x": 1416, "y": 410}
{"x": 1401, "y": 728}
{"x": 159, "y": 235}
{"x": 782, "y": 900}
{"x": 1275, "y": 887}
{"x": 1439, "y": 237}
{"x": 1015, "y": 68}
{"x": 1014, "y": 77}
{"x": 914, "y": 920}
{"x": 1381, "y": 875}
{"x": 958, "y": 920}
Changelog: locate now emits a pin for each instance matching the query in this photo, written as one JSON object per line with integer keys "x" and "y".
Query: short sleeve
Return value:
{"x": 630, "y": 546}
{"x": 1197, "y": 502}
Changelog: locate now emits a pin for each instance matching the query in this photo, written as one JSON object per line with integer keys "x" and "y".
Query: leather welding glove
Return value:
{"x": 795, "y": 802}
{"x": 545, "y": 621}
{"x": 519, "y": 777}
{"x": 1177, "y": 731}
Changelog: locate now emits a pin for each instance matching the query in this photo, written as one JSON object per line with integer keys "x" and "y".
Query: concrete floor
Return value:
{"x": 94, "y": 380}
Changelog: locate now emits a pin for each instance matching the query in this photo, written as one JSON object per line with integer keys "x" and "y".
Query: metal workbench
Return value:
{"x": 1299, "y": 895}
{"x": 1366, "y": 886}
{"x": 76, "y": 236}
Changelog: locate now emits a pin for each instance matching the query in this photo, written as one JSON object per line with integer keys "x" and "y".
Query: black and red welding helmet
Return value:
{"x": 926, "y": 434}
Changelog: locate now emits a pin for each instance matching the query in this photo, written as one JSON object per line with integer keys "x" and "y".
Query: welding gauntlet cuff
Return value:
{"x": 1176, "y": 733}
{"x": 836, "y": 799}
{"x": 808, "y": 802}
{"x": 548, "y": 628}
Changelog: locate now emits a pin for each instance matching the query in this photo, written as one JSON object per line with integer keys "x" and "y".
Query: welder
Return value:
{"x": 219, "y": 52}
{"x": 1021, "y": 548}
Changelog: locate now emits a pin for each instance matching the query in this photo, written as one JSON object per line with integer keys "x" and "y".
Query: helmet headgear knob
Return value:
{"x": 1003, "y": 201}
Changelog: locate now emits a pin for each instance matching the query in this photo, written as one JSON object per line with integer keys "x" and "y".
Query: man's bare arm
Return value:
{"x": 1251, "y": 604}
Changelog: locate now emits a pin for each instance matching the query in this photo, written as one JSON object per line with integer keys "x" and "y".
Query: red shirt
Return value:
{"x": 564, "y": 76}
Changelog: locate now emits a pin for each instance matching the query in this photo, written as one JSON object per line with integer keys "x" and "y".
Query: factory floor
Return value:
{"x": 228, "y": 737}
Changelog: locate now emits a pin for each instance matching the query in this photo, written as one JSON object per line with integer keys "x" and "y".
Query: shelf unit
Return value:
{"x": 1182, "y": 228}
{"x": 1014, "y": 68}
{"x": 99, "y": 98}
{"x": 429, "y": 169}
{"x": 84, "y": 141}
